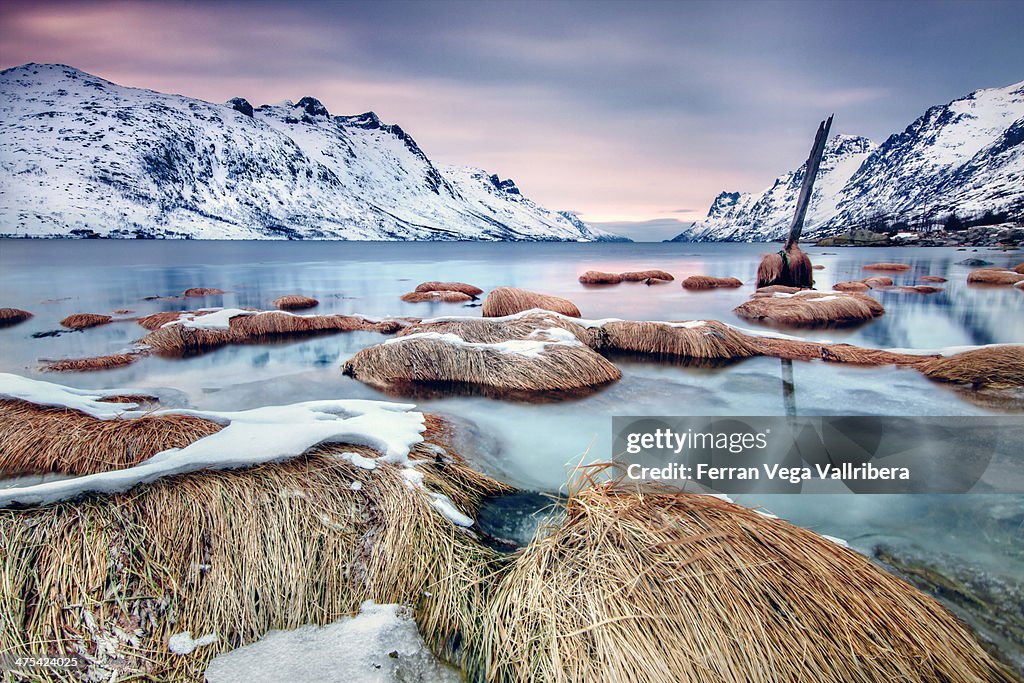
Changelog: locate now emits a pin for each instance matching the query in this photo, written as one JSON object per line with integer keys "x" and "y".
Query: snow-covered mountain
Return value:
{"x": 81, "y": 156}
{"x": 965, "y": 157}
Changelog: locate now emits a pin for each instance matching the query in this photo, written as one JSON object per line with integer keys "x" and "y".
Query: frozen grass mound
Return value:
{"x": 679, "y": 587}
{"x": 694, "y": 339}
{"x": 548, "y": 359}
{"x": 82, "y": 321}
{"x": 432, "y": 286}
{"x": 444, "y": 296}
{"x": 710, "y": 282}
{"x": 295, "y": 302}
{"x": 13, "y": 316}
{"x": 994, "y": 276}
{"x": 202, "y": 291}
{"x": 597, "y": 277}
{"x": 894, "y": 267}
{"x": 992, "y": 367}
{"x": 851, "y": 286}
{"x": 644, "y": 275}
{"x": 810, "y": 308}
{"x": 503, "y": 301}
{"x": 878, "y": 281}
{"x": 119, "y": 577}
{"x": 190, "y": 334}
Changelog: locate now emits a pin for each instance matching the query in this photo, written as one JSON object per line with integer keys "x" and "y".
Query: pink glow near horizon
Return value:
{"x": 615, "y": 112}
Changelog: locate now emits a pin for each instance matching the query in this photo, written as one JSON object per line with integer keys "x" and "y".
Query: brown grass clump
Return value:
{"x": 123, "y": 311}
{"x": 710, "y": 282}
{"x": 793, "y": 349}
{"x": 13, "y": 316}
{"x": 919, "y": 289}
{"x": 678, "y": 587}
{"x": 177, "y": 340}
{"x": 39, "y": 439}
{"x": 642, "y": 275}
{"x": 818, "y": 266}
{"x": 878, "y": 281}
{"x": 158, "y": 320}
{"x": 790, "y": 267}
{"x": 597, "y": 277}
{"x": 811, "y": 308}
{"x": 995, "y": 367}
{"x": 81, "y": 321}
{"x": 1019, "y": 268}
{"x": 887, "y": 266}
{"x": 444, "y": 296}
{"x": 932, "y": 278}
{"x": 504, "y": 301}
{"x": 202, "y": 291}
{"x": 852, "y": 286}
{"x": 115, "y": 360}
{"x": 490, "y": 331}
{"x": 710, "y": 340}
{"x": 294, "y": 302}
{"x": 239, "y": 553}
{"x": 994, "y": 276}
{"x": 772, "y": 289}
{"x": 449, "y": 287}
{"x": 432, "y": 360}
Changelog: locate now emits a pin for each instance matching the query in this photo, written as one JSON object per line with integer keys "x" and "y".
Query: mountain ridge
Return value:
{"x": 963, "y": 157}
{"x": 81, "y": 156}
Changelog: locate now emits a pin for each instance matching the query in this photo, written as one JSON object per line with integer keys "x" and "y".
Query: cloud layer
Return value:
{"x": 624, "y": 112}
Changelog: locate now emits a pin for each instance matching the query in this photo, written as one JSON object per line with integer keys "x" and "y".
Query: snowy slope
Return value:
{"x": 965, "y": 157}
{"x": 744, "y": 216}
{"x": 82, "y": 156}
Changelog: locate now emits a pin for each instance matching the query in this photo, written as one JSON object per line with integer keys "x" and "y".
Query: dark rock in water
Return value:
{"x": 510, "y": 522}
{"x": 242, "y": 105}
{"x": 974, "y": 262}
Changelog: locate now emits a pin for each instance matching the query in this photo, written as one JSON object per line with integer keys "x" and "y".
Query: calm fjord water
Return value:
{"x": 533, "y": 444}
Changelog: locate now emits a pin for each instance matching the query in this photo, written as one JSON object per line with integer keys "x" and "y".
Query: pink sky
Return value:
{"x": 617, "y": 114}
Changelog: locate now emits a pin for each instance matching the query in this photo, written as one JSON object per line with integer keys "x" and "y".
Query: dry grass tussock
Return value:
{"x": 238, "y": 553}
{"x": 793, "y": 349}
{"x": 932, "y": 278}
{"x": 642, "y": 275}
{"x": 490, "y": 331}
{"x": 708, "y": 340}
{"x": 878, "y": 281}
{"x": 38, "y": 439}
{"x": 157, "y": 320}
{"x": 811, "y": 308}
{"x": 1019, "y": 268}
{"x": 919, "y": 289}
{"x": 503, "y": 301}
{"x": 115, "y": 360}
{"x": 13, "y": 316}
{"x": 597, "y": 277}
{"x": 81, "y": 321}
{"x": 772, "y": 289}
{"x": 897, "y": 267}
{"x": 665, "y": 586}
{"x": 294, "y": 302}
{"x": 177, "y": 340}
{"x": 432, "y": 286}
{"x": 202, "y": 291}
{"x": 444, "y": 296}
{"x": 993, "y": 367}
{"x": 710, "y": 282}
{"x": 433, "y": 360}
{"x": 994, "y": 276}
{"x": 852, "y": 286}
{"x": 790, "y": 267}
